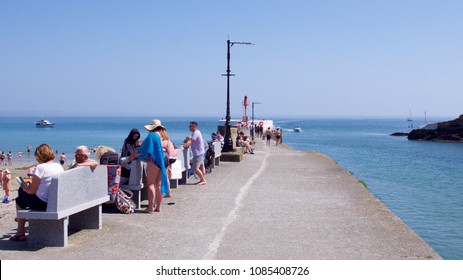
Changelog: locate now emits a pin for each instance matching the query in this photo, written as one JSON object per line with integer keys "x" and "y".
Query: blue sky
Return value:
{"x": 158, "y": 58}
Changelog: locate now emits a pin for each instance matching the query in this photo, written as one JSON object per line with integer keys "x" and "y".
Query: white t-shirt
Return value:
{"x": 45, "y": 171}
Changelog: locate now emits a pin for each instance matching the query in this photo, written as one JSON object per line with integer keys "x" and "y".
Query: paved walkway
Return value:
{"x": 276, "y": 204}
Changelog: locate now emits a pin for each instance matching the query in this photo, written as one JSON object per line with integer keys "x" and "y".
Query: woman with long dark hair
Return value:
{"x": 130, "y": 143}
{"x": 129, "y": 148}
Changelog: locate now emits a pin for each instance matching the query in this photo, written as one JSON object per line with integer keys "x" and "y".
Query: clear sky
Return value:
{"x": 157, "y": 58}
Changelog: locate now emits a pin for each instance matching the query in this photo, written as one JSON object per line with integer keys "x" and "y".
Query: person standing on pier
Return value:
{"x": 156, "y": 175}
{"x": 277, "y": 137}
{"x": 268, "y": 134}
{"x": 197, "y": 147}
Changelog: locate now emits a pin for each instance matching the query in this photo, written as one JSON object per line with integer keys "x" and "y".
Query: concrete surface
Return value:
{"x": 275, "y": 204}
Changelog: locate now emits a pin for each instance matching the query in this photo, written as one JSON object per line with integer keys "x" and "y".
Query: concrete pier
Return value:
{"x": 275, "y": 204}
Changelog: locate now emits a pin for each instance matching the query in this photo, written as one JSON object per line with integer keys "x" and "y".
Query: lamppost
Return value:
{"x": 228, "y": 141}
{"x": 253, "y": 127}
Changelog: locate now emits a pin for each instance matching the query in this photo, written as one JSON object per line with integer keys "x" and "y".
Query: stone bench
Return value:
{"x": 181, "y": 176}
{"x": 217, "y": 152}
{"x": 135, "y": 182}
{"x": 74, "y": 202}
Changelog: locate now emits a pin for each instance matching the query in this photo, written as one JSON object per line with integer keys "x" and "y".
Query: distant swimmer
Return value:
{"x": 10, "y": 158}
{"x": 62, "y": 159}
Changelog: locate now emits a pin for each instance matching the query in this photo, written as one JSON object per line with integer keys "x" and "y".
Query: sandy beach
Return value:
{"x": 18, "y": 169}
{"x": 8, "y": 210}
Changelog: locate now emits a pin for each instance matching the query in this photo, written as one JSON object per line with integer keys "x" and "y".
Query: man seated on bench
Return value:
{"x": 34, "y": 195}
{"x": 81, "y": 158}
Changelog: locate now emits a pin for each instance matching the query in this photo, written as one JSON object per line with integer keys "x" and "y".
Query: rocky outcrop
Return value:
{"x": 443, "y": 131}
{"x": 399, "y": 134}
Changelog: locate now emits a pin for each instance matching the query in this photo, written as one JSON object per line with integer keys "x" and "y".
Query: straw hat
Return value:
{"x": 154, "y": 124}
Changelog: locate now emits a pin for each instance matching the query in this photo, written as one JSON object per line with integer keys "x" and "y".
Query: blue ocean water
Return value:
{"x": 421, "y": 182}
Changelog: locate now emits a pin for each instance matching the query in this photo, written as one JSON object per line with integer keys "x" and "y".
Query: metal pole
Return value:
{"x": 253, "y": 127}
{"x": 228, "y": 141}
{"x": 252, "y": 123}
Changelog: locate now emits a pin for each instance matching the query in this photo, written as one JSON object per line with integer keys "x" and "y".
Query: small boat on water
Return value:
{"x": 44, "y": 123}
{"x": 297, "y": 129}
{"x": 410, "y": 119}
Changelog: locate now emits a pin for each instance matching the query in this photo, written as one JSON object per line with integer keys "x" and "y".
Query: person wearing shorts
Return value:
{"x": 268, "y": 133}
{"x": 196, "y": 142}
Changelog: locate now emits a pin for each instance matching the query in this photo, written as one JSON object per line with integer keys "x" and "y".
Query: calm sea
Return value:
{"x": 421, "y": 182}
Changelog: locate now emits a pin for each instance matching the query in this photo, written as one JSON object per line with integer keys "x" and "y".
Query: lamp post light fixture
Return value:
{"x": 228, "y": 141}
{"x": 252, "y": 122}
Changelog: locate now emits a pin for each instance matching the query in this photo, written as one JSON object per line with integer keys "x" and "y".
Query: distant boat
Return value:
{"x": 297, "y": 129}
{"x": 410, "y": 119}
{"x": 44, "y": 123}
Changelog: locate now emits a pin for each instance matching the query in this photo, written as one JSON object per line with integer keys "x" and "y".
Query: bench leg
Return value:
{"x": 173, "y": 183}
{"x": 139, "y": 196}
{"x": 184, "y": 179}
{"x": 87, "y": 219}
{"x": 48, "y": 232}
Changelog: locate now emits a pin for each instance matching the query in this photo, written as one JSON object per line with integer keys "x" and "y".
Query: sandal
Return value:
{"x": 18, "y": 238}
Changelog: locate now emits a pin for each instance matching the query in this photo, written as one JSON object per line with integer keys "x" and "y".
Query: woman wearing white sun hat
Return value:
{"x": 156, "y": 177}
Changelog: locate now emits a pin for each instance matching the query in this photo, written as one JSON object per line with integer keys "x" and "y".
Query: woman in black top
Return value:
{"x": 129, "y": 148}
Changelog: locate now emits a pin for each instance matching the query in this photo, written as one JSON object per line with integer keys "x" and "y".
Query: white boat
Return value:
{"x": 297, "y": 129}
{"x": 44, "y": 123}
{"x": 410, "y": 119}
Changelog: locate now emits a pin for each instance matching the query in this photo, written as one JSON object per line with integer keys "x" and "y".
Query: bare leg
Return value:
{"x": 152, "y": 174}
{"x": 21, "y": 231}
{"x": 201, "y": 171}
{"x": 7, "y": 187}
{"x": 158, "y": 190}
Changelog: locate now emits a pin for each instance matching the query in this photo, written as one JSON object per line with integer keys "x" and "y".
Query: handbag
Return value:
{"x": 114, "y": 178}
{"x": 124, "y": 202}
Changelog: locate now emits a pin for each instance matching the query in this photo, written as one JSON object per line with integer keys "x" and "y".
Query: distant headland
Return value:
{"x": 449, "y": 131}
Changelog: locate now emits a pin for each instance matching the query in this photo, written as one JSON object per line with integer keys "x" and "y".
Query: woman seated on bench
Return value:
{"x": 34, "y": 195}
{"x": 107, "y": 155}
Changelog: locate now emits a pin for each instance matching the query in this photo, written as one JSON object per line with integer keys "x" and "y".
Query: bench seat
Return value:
{"x": 74, "y": 201}
{"x": 136, "y": 180}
